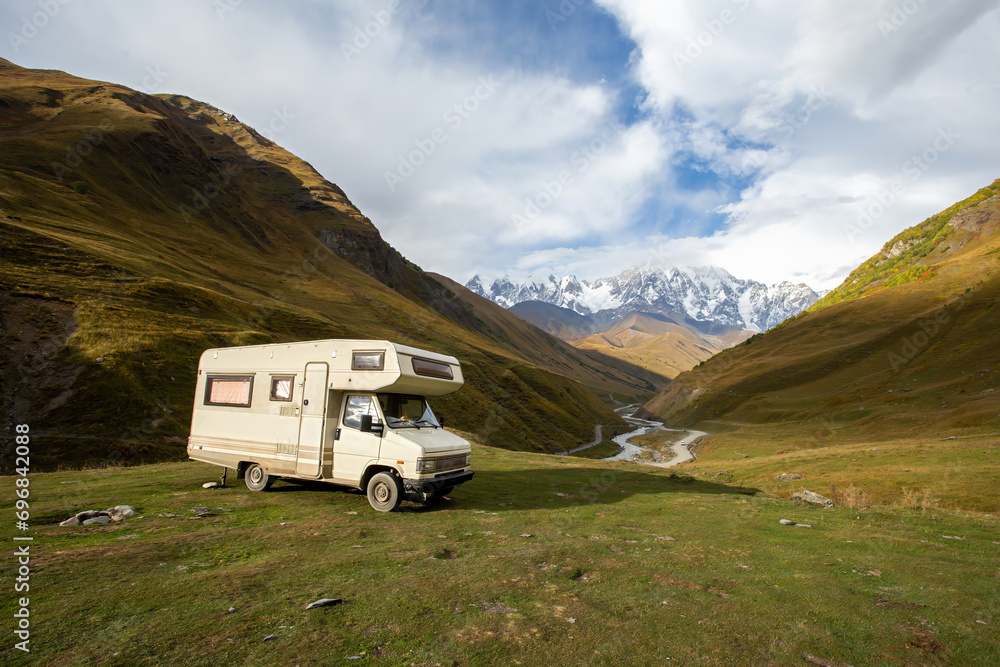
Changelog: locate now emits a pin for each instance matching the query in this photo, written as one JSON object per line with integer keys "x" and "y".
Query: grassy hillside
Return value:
{"x": 899, "y": 363}
{"x": 538, "y": 561}
{"x": 656, "y": 343}
{"x": 137, "y": 230}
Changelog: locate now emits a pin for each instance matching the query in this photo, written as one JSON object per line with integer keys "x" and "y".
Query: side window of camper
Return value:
{"x": 281, "y": 388}
{"x": 232, "y": 390}
{"x": 356, "y": 407}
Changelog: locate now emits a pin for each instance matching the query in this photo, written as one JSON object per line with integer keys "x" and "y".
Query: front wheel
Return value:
{"x": 257, "y": 479}
{"x": 385, "y": 492}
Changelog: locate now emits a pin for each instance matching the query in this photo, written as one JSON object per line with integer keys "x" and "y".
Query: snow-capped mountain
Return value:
{"x": 702, "y": 294}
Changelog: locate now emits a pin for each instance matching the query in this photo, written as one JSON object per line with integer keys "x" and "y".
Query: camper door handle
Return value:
{"x": 305, "y": 401}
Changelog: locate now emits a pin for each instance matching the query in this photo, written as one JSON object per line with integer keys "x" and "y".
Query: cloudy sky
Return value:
{"x": 780, "y": 140}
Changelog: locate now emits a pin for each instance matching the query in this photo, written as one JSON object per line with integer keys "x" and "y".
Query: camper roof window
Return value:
{"x": 368, "y": 361}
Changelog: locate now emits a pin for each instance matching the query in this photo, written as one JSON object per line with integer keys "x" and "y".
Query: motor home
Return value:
{"x": 347, "y": 412}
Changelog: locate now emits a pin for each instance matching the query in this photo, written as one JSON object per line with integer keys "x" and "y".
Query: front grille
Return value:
{"x": 449, "y": 463}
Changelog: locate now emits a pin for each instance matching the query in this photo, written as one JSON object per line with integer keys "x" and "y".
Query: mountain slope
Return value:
{"x": 906, "y": 346}
{"x": 657, "y": 343}
{"x": 138, "y": 230}
{"x": 701, "y": 297}
{"x": 542, "y": 349}
{"x": 561, "y": 322}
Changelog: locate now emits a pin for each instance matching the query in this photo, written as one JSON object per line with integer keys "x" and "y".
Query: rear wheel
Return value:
{"x": 257, "y": 479}
{"x": 385, "y": 492}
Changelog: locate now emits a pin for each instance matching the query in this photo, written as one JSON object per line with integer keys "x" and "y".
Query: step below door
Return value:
{"x": 312, "y": 423}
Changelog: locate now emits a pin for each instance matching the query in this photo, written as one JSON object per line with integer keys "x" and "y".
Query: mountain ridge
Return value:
{"x": 698, "y": 295}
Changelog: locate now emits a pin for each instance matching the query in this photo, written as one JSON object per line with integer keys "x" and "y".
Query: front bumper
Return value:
{"x": 434, "y": 484}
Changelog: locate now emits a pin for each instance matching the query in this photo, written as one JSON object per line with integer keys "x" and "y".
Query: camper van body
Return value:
{"x": 337, "y": 411}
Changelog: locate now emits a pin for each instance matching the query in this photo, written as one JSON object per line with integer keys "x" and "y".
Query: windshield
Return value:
{"x": 404, "y": 411}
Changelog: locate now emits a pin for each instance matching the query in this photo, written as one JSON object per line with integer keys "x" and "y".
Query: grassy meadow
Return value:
{"x": 539, "y": 560}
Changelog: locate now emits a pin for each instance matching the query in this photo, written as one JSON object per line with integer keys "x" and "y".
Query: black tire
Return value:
{"x": 385, "y": 492}
{"x": 256, "y": 478}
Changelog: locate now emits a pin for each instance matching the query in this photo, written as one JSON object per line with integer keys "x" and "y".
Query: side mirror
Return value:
{"x": 441, "y": 420}
{"x": 368, "y": 427}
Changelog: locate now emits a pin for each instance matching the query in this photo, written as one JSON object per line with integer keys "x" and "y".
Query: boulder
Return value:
{"x": 788, "y": 477}
{"x": 88, "y": 514}
{"x": 121, "y": 512}
{"x": 97, "y": 520}
{"x": 210, "y": 485}
{"x": 805, "y": 497}
{"x": 72, "y": 521}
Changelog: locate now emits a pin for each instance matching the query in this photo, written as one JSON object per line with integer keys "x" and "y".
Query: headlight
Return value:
{"x": 468, "y": 459}
{"x": 426, "y": 465}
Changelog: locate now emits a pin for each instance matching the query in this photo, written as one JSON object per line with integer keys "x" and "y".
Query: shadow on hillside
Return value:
{"x": 548, "y": 488}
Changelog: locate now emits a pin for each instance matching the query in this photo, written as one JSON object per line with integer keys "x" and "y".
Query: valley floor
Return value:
{"x": 540, "y": 560}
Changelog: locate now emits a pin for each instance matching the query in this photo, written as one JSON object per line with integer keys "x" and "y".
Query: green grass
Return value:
{"x": 597, "y": 582}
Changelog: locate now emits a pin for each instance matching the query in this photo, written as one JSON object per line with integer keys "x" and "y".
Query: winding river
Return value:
{"x": 681, "y": 448}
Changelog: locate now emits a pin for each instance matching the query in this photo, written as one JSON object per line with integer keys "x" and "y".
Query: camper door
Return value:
{"x": 312, "y": 421}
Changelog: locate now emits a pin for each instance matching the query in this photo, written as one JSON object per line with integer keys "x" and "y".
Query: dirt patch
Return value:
{"x": 924, "y": 641}
{"x": 887, "y": 602}
{"x": 665, "y": 580}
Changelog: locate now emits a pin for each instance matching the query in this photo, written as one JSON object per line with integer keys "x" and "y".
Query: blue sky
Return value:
{"x": 581, "y": 136}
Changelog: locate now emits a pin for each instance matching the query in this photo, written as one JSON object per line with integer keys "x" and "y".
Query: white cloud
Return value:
{"x": 813, "y": 109}
{"x": 844, "y": 94}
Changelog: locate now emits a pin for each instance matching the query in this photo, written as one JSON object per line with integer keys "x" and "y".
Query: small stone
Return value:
{"x": 442, "y": 537}
{"x": 210, "y": 485}
{"x": 526, "y": 535}
{"x": 805, "y": 497}
{"x": 802, "y": 525}
{"x": 97, "y": 520}
{"x": 99, "y": 360}
{"x": 232, "y": 610}
{"x": 788, "y": 477}
{"x": 786, "y": 522}
{"x": 350, "y": 512}
{"x": 324, "y": 602}
{"x": 72, "y": 521}
{"x": 282, "y": 523}
{"x": 981, "y": 622}
{"x": 270, "y": 638}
